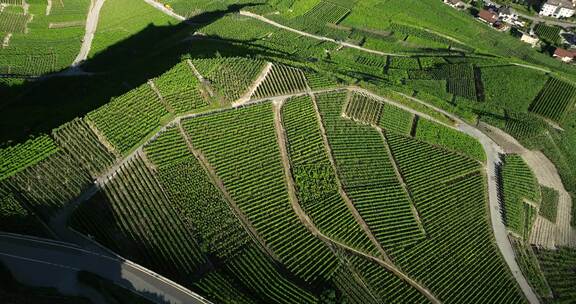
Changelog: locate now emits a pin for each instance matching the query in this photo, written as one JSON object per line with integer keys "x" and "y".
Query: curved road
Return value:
{"x": 27, "y": 257}
{"x": 91, "y": 24}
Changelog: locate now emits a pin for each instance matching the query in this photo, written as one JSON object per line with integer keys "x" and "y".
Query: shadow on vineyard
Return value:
{"x": 38, "y": 106}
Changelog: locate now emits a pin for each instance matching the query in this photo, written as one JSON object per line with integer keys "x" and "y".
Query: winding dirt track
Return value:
{"x": 91, "y": 24}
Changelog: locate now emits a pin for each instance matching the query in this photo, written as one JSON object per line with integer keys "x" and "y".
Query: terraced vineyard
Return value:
{"x": 179, "y": 89}
{"x": 251, "y": 171}
{"x": 315, "y": 177}
{"x": 519, "y": 184}
{"x": 554, "y": 100}
{"x": 281, "y": 80}
{"x": 368, "y": 176}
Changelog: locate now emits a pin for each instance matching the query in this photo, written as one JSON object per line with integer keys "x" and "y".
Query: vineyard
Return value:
{"x": 558, "y": 267}
{"x": 315, "y": 177}
{"x": 230, "y": 76}
{"x": 363, "y": 108}
{"x": 13, "y": 23}
{"x": 368, "y": 176}
{"x": 549, "y": 204}
{"x": 133, "y": 216}
{"x": 554, "y": 100}
{"x": 16, "y": 158}
{"x": 252, "y": 172}
{"x": 79, "y": 140}
{"x": 327, "y": 12}
{"x": 179, "y": 89}
{"x": 281, "y": 80}
{"x": 550, "y": 34}
{"x": 519, "y": 183}
{"x": 448, "y": 138}
{"x": 127, "y": 119}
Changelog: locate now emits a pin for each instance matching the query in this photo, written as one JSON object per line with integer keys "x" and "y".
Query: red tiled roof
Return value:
{"x": 488, "y": 16}
{"x": 560, "y": 52}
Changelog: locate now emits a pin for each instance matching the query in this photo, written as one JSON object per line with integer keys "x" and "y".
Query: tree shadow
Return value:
{"x": 39, "y": 105}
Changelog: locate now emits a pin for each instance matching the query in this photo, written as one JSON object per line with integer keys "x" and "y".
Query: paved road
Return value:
{"x": 29, "y": 257}
{"x": 547, "y": 21}
{"x": 91, "y": 24}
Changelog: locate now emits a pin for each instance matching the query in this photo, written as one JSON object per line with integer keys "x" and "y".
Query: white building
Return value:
{"x": 558, "y": 8}
{"x": 533, "y": 41}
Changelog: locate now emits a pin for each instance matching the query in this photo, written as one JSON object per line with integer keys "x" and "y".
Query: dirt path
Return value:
{"x": 91, "y": 24}
{"x": 246, "y": 97}
{"x": 49, "y": 7}
{"x": 349, "y": 203}
{"x": 164, "y": 9}
{"x": 160, "y": 97}
{"x": 400, "y": 179}
{"x": 6, "y": 41}
{"x": 220, "y": 184}
{"x": 307, "y": 222}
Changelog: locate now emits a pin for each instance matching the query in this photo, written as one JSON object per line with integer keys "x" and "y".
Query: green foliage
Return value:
{"x": 133, "y": 217}
{"x": 511, "y": 87}
{"x": 230, "y": 76}
{"x": 363, "y": 108}
{"x": 370, "y": 183}
{"x": 519, "y": 183}
{"x": 549, "y": 205}
{"x": 16, "y": 158}
{"x": 127, "y": 119}
{"x": 195, "y": 198}
{"x": 530, "y": 268}
{"x": 251, "y": 169}
{"x": 451, "y": 139}
{"x": 550, "y": 34}
{"x": 179, "y": 89}
{"x": 554, "y": 100}
{"x": 327, "y": 12}
{"x": 281, "y": 80}
{"x": 315, "y": 177}
{"x": 406, "y": 63}
{"x": 79, "y": 140}
{"x": 559, "y": 267}
{"x": 14, "y": 217}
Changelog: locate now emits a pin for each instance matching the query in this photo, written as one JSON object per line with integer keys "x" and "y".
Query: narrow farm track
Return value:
{"x": 265, "y": 71}
{"x": 359, "y": 219}
{"x": 307, "y": 222}
{"x": 491, "y": 148}
{"x": 220, "y": 184}
{"x": 91, "y": 24}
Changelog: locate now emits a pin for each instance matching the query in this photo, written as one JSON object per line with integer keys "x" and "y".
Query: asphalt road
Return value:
{"x": 44, "y": 262}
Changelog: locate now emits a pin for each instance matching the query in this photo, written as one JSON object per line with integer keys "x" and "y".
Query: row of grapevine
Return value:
{"x": 241, "y": 145}
{"x": 555, "y": 99}
{"x": 448, "y": 138}
{"x": 127, "y": 119}
{"x": 13, "y": 23}
{"x": 179, "y": 89}
{"x": 51, "y": 183}
{"x": 363, "y": 108}
{"x": 221, "y": 288}
{"x": 405, "y": 63}
{"x": 315, "y": 177}
{"x": 317, "y": 80}
{"x": 423, "y": 165}
{"x": 230, "y": 76}
{"x": 421, "y": 33}
{"x": 368, "y": 175}
{"x": 199, "y": 202}
{"x": 547, "y": 33}
{"x": 133, "y": 217}
{"x": 558, "y": 267}
{"x": 549, "y": 204}
{"x": 458, "y": 261}
{"x": 386, "y": 286}
{"x": 281, "y": 80}
{"x": 16, "y": 158}
{"x": 77, "y": 138}
{"x": 528, "y": 263}
{"x": 14, "y": 217}
{"x": 194, "y": 196}
{"x": 70, "y": 8}
{"x": 395, "y": 119}
{"x": 518, "y": 183}
{"x": 327, "y": 12}
{"x": 258, "y": 273}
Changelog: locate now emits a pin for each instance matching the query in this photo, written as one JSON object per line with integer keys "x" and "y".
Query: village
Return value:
{"x": 550, "y": 27}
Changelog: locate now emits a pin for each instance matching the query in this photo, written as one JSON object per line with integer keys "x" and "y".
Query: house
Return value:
{"x": 564, "y": 54}
{"x": 508, "y": 15}
{"x": 488, "y": 17}
{"x": 455, "y": 4}
{"x": 558, "y": 8}
{"x": 533, "y": 41}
